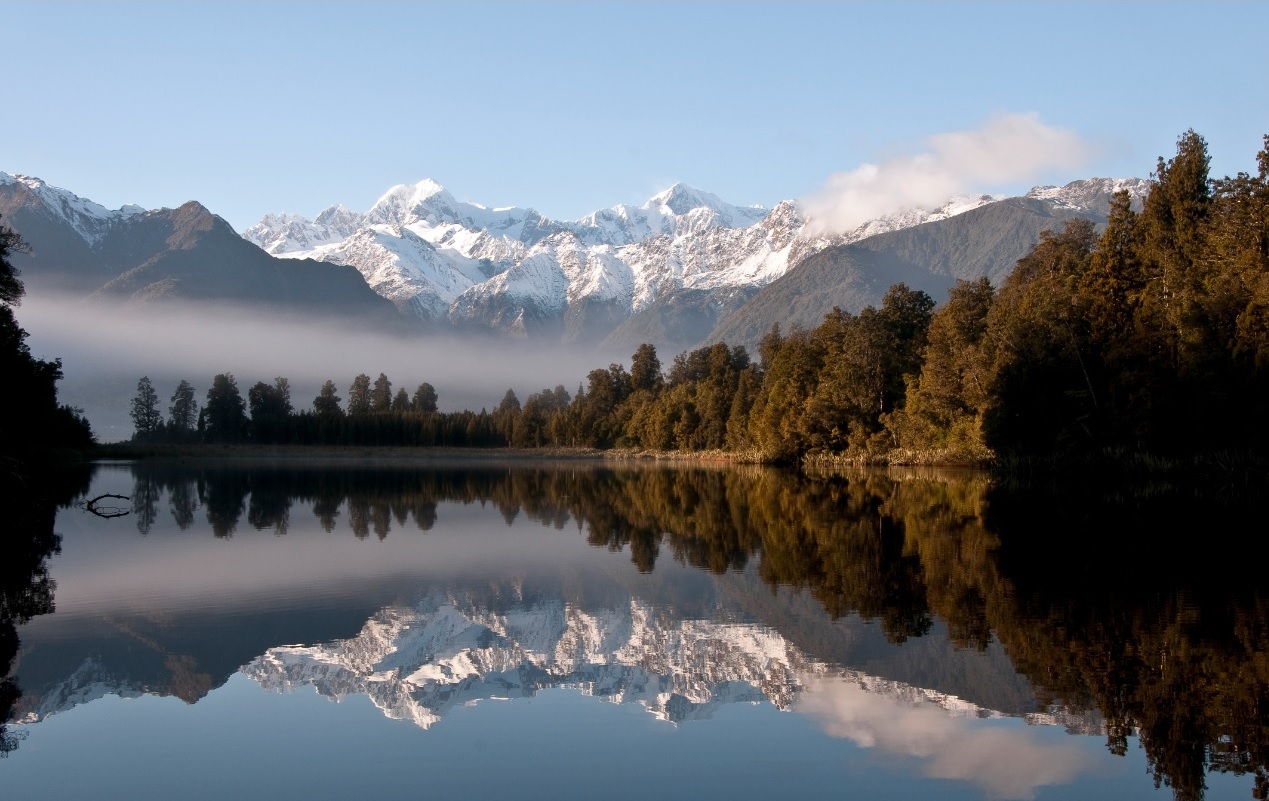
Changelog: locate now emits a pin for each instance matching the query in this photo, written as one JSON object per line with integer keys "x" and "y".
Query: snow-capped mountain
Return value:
{"x": 679, "y": 270}
{"x": 1093, "y": 193}
{"x": 131, "y": 257}
{"x": 90, "y": 220}
{"x": 515, "y": 271}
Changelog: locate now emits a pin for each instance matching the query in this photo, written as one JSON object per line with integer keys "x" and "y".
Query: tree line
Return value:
{"x": 1150, "y": 336}
{"x": 373, "y": 415}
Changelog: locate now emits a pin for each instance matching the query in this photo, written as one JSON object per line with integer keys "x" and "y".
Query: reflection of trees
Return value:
{"x": 224, "y": 499}
{"x": 1163, "y": 634}
{"x": 270, "y": 503}
{"x": 1168, "y": 643}
{"x": 26, "y": 590}
{"x": 145, "y": 502}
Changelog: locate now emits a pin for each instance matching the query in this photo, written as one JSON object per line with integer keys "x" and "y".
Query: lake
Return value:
{"x": 393, "y": 629}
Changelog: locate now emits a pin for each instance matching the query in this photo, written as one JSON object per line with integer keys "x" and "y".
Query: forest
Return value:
{"x": 1146, "y": 338}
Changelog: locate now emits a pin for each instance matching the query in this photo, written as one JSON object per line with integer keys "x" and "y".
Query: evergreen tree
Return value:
{"x": 778, "y": 423}
{"x": 327, "y": 401}
{"x": 183, "y": 413}
{"x": 359, "y": 395}
{"x": 401, "y": 401}
{"x": 225, "y": 411}
{"x": 1239, "y": 239}
{"x": 381, "y": 395}
{"x": 11, "y": 288}
{"x": 424, "y": 399}
{"x": 1174, "y": 220}
{"x": 1045, "y": 387}
{"x": 504, "y": 417}
{"x": 598, "y": 422}
{"x": 645, "y": 369}
{"x": 146, "y": 418}
{"x": 943, "y": 406}
{"x": 270, "y": 410}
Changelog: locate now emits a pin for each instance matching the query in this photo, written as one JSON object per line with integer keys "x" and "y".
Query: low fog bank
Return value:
{"x": 104, "y": 352}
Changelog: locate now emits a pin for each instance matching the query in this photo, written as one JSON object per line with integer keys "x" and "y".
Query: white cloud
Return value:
{"x": 1008, "y": 148}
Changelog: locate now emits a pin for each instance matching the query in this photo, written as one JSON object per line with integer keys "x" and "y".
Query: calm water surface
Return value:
{"x": 574, "y": 630}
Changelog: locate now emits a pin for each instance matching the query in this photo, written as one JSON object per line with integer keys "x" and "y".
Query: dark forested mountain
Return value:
{"x": 986, "y": 242}
{"x": 132, "y": 257}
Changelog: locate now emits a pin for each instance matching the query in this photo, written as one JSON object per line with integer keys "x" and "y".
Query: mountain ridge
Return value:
{"x": 675, "y": 270}
{"x": 129, "y": 258}
{"x": 682, "y": 270}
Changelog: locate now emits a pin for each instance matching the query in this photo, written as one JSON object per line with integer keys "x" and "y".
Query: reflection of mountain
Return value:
{"x": 705, "y": 587}
{"x": 417, "y": 663}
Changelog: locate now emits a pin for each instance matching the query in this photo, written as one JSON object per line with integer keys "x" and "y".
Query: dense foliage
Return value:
{"x": 1150, "y": 336}
{"x": 32, "y": 422}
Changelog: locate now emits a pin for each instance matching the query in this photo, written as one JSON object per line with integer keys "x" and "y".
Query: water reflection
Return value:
{"x": 1004, "y": 762}
{"x": 30, "y": 502}
{"x": 897, "y": 610}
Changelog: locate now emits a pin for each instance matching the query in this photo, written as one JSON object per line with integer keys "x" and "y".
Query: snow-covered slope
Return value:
{"x": 513, "y": 270}
{"x": 90, "y": 220}
{"x": 1093, "y": 193}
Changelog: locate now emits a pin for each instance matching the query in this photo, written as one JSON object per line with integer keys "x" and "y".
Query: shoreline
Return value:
{"x": 246, "y": 452}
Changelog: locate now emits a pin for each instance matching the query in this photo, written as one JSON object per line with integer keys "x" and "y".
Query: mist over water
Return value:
{"x": 105, "y": 351}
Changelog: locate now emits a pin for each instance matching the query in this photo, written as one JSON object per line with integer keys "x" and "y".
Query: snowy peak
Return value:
{"x": 430, "y": 204}
{"x": 340, "y": 217}
{"x": 1093, "y": 194}
{"x": 682, "y": 199}
{"x": 679, "y": 210}
{"x": 90, "y": 220}
{"x": 407, "y": 203}
{"x": 278, "y": 234}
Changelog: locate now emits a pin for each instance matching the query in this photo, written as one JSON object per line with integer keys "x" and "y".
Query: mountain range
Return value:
{"x": 130, "y": 257}
{"x": 683, "y": 269}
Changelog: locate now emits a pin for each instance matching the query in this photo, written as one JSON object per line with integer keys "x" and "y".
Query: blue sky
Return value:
{"x": 570, "y": 107}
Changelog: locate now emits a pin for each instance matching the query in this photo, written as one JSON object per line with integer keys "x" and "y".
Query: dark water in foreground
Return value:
{"x": 575, "y": 630}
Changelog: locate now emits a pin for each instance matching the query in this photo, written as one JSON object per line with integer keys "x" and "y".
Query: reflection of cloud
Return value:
{"x": 1005, "y": 762}
{"x": 1009, "y": 148}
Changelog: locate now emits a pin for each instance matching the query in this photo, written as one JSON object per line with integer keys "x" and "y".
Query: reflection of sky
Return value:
{"x": 176, "y": 570}
{"x": 555, "y": 745}
{"x": 1005, "y": 762}
{"x": 244, "y": 742}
